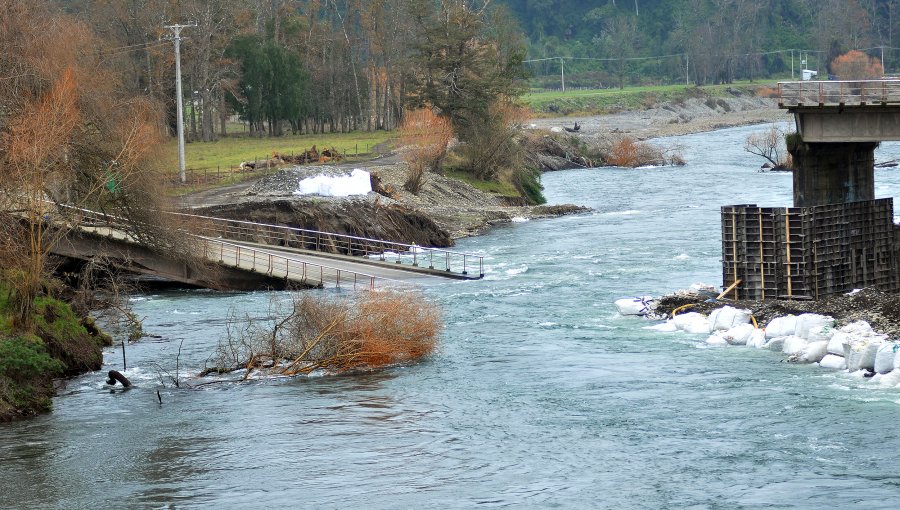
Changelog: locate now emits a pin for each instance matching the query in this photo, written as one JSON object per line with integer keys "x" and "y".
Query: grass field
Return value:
{"x": 229, "y": 152}
{"x": 586, "y": 102}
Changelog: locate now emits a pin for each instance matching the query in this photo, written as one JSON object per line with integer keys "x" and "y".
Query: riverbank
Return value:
{"x": 694, "y": 115}
{"x": 60, "y": 345}
{"x": 450, "y": 208}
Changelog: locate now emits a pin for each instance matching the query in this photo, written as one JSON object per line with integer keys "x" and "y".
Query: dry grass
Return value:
{"x": 374, "y": 330}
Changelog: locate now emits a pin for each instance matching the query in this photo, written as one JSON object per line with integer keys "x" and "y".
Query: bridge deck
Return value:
{"x": 838, "y": 93}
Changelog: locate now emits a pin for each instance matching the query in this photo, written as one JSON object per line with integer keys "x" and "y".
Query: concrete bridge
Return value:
{"x": 236, "y": 255}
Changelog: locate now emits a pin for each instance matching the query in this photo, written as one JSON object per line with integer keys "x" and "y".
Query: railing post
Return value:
{"x": 481, "y": 266}
{"x": 464, "y": 264}
{"x": 447, "y": 254}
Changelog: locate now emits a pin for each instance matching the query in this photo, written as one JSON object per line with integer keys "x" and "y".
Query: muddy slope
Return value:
{"x": 361, "y": 217}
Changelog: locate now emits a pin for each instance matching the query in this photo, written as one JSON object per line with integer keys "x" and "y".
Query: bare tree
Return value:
{"x": 770, "y": 145}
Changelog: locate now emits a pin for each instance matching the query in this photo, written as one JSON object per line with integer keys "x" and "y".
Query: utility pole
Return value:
{"x": 687, "y": 69}
{"x": 176, "y": 36}
{"x": 792, "y": 64}
{"x": 562, "y": 73}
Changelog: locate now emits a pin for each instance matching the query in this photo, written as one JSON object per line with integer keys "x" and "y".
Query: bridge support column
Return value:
{"x": 833, "y": 173}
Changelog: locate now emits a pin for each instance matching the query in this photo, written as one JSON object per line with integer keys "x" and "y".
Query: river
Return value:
{"x": 540, "y": 395}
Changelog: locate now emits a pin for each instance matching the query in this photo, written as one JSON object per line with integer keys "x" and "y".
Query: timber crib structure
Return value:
{"x": 809, "y": 252}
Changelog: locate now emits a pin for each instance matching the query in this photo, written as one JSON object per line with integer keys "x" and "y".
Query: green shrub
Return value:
{"x": 23, "y": 359}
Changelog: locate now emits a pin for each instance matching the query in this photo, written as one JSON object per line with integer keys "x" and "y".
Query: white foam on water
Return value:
{"x": 519, "y": 219}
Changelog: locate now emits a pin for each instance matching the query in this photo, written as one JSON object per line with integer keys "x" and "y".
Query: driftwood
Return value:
{"x": 115, "y": 375}
{"x": 312, "y": 155}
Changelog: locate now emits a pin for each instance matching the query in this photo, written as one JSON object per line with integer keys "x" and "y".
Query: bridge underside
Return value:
{"x": 138, "y": 259}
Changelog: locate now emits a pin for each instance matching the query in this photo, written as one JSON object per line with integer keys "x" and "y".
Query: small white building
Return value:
{"x": 808, "y": 75}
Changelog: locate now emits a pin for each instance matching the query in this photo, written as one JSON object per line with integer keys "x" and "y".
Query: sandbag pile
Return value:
{"x": 805, "y": 338}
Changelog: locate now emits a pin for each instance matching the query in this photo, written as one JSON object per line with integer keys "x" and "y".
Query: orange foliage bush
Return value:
{"x": 631, "y": 153}
{"x": 770, "y": 92}
{"x": 856, "y": 65}
{"x": 426, "y": 137}
{"x": 375, "y": 330}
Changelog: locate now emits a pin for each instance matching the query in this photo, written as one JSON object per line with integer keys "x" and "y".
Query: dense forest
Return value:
{"x": 701, "y": 41}
{"x": 338, "y": 65}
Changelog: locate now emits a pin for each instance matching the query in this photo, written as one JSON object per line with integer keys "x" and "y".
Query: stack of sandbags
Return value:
{"x": 691, "y": 322}
{"x": 855, "y": 347}
{"x": 804, "y": 337}
{"x": 731, "y": 326}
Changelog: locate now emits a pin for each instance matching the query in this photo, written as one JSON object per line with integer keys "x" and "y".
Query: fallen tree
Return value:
{"x": 373, "y": 330}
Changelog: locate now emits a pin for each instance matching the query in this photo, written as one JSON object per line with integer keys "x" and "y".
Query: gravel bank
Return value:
{"x": 671, "y": 119}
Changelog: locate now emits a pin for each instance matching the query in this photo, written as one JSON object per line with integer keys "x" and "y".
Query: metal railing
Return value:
{"x": 238, "y": 256}
{"x": 314, "y": 240}
{"x": 822, "y": 93}
{"x": 279, "y": 266}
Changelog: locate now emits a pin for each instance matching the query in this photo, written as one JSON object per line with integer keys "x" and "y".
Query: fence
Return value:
{"x": 808, "y": 252}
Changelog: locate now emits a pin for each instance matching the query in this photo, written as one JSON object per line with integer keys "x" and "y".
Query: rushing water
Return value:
{"x": 540, "y": 394}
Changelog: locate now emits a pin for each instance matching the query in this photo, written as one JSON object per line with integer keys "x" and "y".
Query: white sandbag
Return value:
{"x": 739, "y": 335}
{"x": 725, "y": 318}
{"x": 636, "y": 306}
{"x": 666, "y": 327}
{"x": 781, "y": 326}
{"x": 809, "y": 321}
{"x": 716, "y": 340}
{"x": 890, "y": 379}
{"x": 692, "y": 322}
{"x": 775, "y": 344}
{"x": 858, "y": 328}
{"x": 757, "y": 339}
{"x": 862, "y": 355}
{"x": 833, "y": 362}
{"x": 837, "y": 343}
{"x": 884, "y": 357}
{"x": 820, "y": 333}
{"x": 794, "y": 345}
{"x": 814, "y": 352}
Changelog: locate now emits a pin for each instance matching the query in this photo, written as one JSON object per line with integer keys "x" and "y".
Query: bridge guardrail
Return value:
{"x": 821, "y": 93}
{"x": 273, "y": 265}
{"x": 293, "y": 237}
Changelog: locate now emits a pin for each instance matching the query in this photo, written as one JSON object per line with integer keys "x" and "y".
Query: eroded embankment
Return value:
{"x": 443, "y": 210}
{"x": 62, "y": 345}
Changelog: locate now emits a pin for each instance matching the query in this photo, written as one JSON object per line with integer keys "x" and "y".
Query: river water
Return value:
{"x": 539, "y": 396}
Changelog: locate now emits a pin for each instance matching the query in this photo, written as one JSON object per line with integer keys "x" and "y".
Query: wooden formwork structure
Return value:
{"x": 809, "y": 252}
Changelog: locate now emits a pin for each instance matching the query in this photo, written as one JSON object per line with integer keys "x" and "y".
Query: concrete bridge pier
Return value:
{"x": 833, "y": 173}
